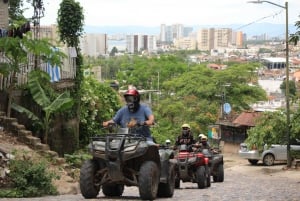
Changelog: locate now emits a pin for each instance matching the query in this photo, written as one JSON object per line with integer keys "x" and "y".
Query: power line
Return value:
{"x": 258, "y": 20}
{"x": 253, "y": 22}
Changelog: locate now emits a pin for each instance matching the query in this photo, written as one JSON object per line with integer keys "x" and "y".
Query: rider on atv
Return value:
{"x": 186, "y": 137}
{"x": 133, "y": 113}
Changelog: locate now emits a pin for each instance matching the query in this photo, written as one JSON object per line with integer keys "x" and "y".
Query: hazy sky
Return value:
{"x": 186, "y": 12}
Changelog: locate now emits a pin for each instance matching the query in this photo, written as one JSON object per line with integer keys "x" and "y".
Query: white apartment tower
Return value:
{"x": 130, "y": 43}
{"x": 94, "y": 45}
{"x": 169, "y": 33}
{"x": 152, "y": 47}
{"x": 140, "y": 43}
{"x": 162, "y": 36}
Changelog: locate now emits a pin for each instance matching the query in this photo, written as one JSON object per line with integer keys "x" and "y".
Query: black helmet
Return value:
{"x": 132, "y": 98}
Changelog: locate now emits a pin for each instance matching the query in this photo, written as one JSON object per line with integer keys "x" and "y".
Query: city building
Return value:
{"x": 3, "y": 15}
{"x": 94, "y": 45}
{"x": 218, "y": 39}
{"x": 171, "y": 32}
{"x": 237, "y": 39}
{"x": 185, "y": 43}
{"x": 205, "y": 39}
{"x": 48, "y": 32}
{"x": 141, "y": 43}
{"x": 222, "y": 38}
{"x": 274, "y": 63}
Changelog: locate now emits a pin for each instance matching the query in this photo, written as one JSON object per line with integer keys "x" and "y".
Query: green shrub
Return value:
{"x": 76, "y": 160}
{"x": 30, "y": 179}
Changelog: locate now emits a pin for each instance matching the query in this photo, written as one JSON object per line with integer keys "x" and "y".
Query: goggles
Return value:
{"x": 129, "y": 99}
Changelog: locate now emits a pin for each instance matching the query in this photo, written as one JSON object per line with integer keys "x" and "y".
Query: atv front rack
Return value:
{"x": 113, "y": 146}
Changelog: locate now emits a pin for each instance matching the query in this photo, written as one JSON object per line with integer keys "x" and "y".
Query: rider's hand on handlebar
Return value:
{"x": 148, "y": 123}
{"x": 107, "y": 123}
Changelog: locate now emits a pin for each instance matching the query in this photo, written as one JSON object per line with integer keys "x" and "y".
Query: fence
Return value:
{"x": 66, "y": 71}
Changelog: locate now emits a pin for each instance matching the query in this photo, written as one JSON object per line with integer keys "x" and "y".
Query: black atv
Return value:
{"x": 123, "y": 159}
{"x": 216, "y": 164}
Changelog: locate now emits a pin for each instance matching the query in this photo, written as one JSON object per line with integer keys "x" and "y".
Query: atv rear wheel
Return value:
{"x": 113, "y": 189}
{"x": 167, "y": 189}
{"x": 219, "y": 177}
{"x": 148, "y": 180}
{"x": 87, "y": 179}
{"x": 201, "y": 177}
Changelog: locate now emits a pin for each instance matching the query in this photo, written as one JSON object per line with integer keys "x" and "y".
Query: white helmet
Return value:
{"x": 201, "y": 135}
{"x": 168, "y": 141}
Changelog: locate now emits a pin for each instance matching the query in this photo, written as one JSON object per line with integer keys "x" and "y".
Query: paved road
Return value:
{"x": 243, "y": 182}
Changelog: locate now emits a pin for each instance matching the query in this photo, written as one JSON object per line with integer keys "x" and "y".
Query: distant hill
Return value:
{"x": 272, "y": 30}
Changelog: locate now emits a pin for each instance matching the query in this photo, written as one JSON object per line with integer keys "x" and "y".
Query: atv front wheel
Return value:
{"x": 148, "y": 180}
{"x": 208, "y": 179}
{"x": 201, "y": 177}
{"x": 113, "y": 189}
{"x": 87, "y": 179}
{"x": 219, "y": 177}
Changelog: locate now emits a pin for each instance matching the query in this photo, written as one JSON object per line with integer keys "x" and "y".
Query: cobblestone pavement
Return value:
{"x": 242, "y": 182}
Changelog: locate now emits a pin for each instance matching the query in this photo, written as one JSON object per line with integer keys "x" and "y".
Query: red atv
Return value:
{"x": 193, "y": 167}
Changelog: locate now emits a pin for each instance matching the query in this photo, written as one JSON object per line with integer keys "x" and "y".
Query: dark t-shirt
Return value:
{"x": 188, "y": 140}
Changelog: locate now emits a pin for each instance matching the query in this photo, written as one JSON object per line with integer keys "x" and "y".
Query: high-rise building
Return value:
{"x": 94, "y": 45}
{"x": 140, "y": 43}
{"x": 216, "y": 38}
{"x": 239, "y": 39}
{"x": 162, "y": 36}
{"x": 205, "y": 39}
{"x": 222, "y": 38}
{"x": 169, "y": 33}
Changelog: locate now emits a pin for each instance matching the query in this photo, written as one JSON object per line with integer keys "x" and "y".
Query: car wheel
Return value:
{"x": 253, "y": 161}
{"x": 268, "y": 160}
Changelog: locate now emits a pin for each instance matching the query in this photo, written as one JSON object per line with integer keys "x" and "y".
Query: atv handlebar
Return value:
{"x": 130, "y": 125}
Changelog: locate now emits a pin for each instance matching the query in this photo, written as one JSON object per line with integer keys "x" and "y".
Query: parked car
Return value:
{"x": 269, "y": 155}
